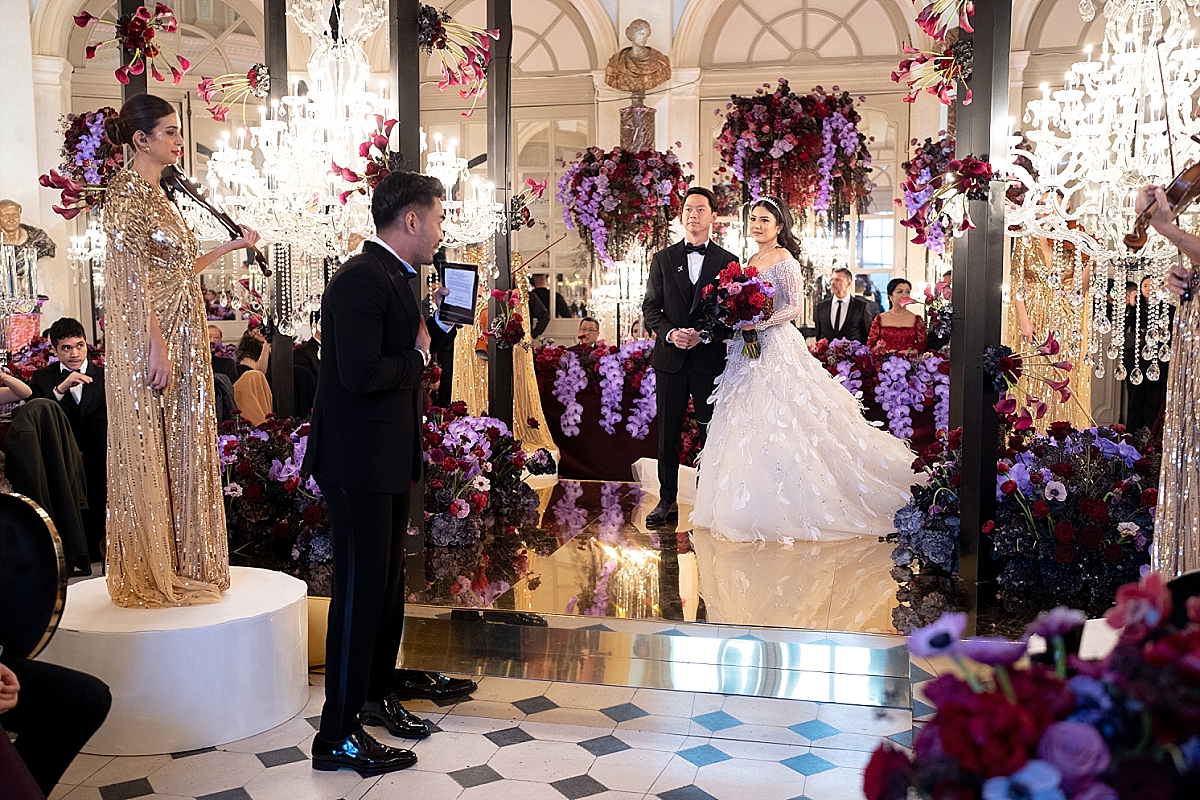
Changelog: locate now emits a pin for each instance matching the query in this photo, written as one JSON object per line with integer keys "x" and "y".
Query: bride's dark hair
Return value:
{"x": 783, "y": 218}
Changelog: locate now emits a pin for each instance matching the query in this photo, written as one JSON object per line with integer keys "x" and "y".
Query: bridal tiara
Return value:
{"x": 769, "y": 201}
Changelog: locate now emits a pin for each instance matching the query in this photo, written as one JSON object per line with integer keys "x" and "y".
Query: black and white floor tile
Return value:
{"x": 537, "y": 740}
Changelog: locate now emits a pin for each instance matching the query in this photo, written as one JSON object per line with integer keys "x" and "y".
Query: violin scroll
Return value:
{"x": 173, "y": 180}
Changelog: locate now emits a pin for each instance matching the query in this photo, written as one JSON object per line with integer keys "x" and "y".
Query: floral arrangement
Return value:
{"x": 936, "y": 72}
{"x": 739, "y": 300}
{"x": 1074, "y": 516}
{"x": 376, "y": 149}
{"x": 507, "y": 329}
{"x": 622, "y": 198}
{"x": 805, "y": 149}
{"x": 901, "y": 383}
{"x": 136, "y": 35}
{"x": 475, "y": 576}
{"x": 464, "y": 51}
{"x": 89, "y": 160}
{"x": 1126, "y": 727}
{"x": 938, "y": 17}
{"x": 935, "y": 197}
{"x": 939, "y": 312}
{"x": 234, "y": 88}
{"x": 274, "y": 514}
{"x": 221, "y": 350}
{"x": 1005, "y": 368}
{"x": 519, "y": 214}
{"x": 631, "y": 357}
{"x": 473, "y": 468}
{"x": 38, "y": 353}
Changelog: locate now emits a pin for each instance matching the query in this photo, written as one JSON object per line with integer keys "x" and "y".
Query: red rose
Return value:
{"x": 1002, "y": 468}
{"x": 1008, "y": 487}
{"x": 245, "y": 468}
{"x": 450, "y": 464}
{"x": 1065, "y": 553}
{"x": 997, "y": 737}
{"x": 1091, "y": 537}
{"x": 291, "y": 483}
{"x": 1040, "y": 509}
{"x": 956, "y": 479}
{"x": 436, "y": 483}
{"x": 887, "y": 774}
{"x": 1149, "y": 497}
{"x": 1060, "y": 430}
{"x": 1095, "y": 510}
{"x": 1035, "y": 477}
{"x": 313, "y": 514}
{"x": 1114, "y": 553}
{"x": 1143, "y": 467}
{"x": 988, "y": 526}
{"x": 1062, "y": 469}
{"x": 518, "y": 459}
{"x": 1064, "y": 531}
{"x": 254, "y": 493}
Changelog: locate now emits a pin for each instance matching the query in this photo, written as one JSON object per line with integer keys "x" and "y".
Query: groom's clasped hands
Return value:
{"x": 684, "y": 338}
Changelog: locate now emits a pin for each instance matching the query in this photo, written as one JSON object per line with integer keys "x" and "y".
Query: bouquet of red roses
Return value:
{"x": 738, "y": 300}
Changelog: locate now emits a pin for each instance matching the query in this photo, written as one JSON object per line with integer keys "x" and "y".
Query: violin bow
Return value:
{"x": 1166, "y": 111}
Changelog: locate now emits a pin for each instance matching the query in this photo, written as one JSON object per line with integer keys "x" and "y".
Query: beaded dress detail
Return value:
{"x": 789, "y": 455}
{"x": 167, "y": 544}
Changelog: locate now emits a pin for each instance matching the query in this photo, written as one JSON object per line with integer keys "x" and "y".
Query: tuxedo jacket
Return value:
{"x": 366, "y": 423}
{"x": 672, "y": 301}
{"x": 88, "y": 418}
{"x": 308, "y": 356}
{"x": 856, "y": 323}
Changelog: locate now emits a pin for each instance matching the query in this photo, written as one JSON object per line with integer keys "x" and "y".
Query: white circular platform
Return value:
{"x": 187, "y": 678}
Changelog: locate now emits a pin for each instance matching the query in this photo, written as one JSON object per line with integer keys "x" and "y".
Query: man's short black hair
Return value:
{"x": 593, "y": 320}
{"x": 846, "y": 272}
{"x": 65, "y": 328}
{"x": 398, "y": 191}
{"x": 705, "y": 193}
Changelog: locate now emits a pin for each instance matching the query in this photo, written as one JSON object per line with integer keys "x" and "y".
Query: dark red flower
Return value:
{"x": 1040, "y": 509}
{"x": 988, "y": 526}
{"x": 245, "y": 468}
{"x": 1008, "y": 487}
{"x": 1095, "y": 510}
{"x": 450, "y": 464}
{"x": 254, "y": 493}
{"x": 1091, "y": 537}
{"x": 313, "y": 515}
{"x": 281, "y": 529}
{"x": 1065, "y": 553}
{"x": 1064, "y": 531}
{"x": 887, "y": 774}
{"x": 291, "y": 483}
{"x": 1060, "y": 430}
{"x": 1149, "y": 497}
{"x": 1063, "y": 469}
{"x": 1114, "y": 553}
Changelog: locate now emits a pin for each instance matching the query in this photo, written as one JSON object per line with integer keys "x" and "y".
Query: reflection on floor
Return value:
{"x": 540, "y": 740}
{"x": 594, "y": 557}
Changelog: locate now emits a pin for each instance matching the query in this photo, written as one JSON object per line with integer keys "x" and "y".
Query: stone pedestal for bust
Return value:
{"x": 637, "y": 128}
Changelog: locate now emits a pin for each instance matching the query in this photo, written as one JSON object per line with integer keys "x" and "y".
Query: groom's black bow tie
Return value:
{"x": 695, "y": 248}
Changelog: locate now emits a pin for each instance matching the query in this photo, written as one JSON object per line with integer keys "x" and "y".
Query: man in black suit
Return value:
{"x": 306, "y": 367}
{"x": 77, "y": 385}
{"x": 222, "y": 365}
{"x": 684, "y": 365}
{"x": 843, "y": 316}
{"x": 365, "y": 452}
{"x": 541, "y": 290}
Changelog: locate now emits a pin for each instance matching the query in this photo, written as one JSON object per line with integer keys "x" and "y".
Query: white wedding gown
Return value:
{"x": 795, "y": 488}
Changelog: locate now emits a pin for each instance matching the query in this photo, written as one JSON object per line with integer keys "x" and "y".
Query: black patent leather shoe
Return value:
{"x": 412, "y": 684}
{"x": 361, "y": 753}
{"x": 398, "y": 720}
{"x": 661, "y": 513}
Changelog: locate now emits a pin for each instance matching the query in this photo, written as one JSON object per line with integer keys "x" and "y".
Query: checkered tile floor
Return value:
{"x": 540, "y": 741}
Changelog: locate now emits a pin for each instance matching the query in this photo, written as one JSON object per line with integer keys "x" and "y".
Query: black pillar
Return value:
{"x": 978, "y": 277}
{"x": 499, "y": 111}
{"x": 280, "y": 364}
{"x": 137, "y": 83}
{"x": 406, "y": 81}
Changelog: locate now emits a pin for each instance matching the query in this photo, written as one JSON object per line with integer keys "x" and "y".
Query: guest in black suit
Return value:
{"x": 77, "y": 385}
{"x": 844, "y": 316}
{"x": 222, "y": 365}
{"x": 541, "y": 290}
{"x": 306, "y": 367}
{"x": 364, "y": 450}
{"x": 684, "y": 365}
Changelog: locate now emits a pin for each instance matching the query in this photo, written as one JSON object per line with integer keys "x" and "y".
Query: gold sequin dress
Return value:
{"x": 1051, "y": 306}
{"x": 1176, "y": 546}
{"x": 167, "y": 544}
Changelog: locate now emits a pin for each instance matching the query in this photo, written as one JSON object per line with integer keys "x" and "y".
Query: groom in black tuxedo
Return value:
{"x": 364, "y": 449}
{"x": 684, "y": 366}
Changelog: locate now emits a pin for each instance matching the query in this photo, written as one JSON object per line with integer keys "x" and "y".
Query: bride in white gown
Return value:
{"x": 795, "y": 486}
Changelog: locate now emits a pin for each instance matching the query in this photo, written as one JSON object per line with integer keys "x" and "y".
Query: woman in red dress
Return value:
{"x": 897, "y": 329}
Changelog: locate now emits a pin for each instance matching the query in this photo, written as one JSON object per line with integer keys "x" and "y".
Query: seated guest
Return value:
{"x": 77, "y": 385}
{"x": 589, "y": 331}
{"x": 221, "y": 365}
{"x": 54, "y": 711}
{"x": 251, "y": 390}
{"x": 897, "y": 329}
{"x": 12, "y": 388}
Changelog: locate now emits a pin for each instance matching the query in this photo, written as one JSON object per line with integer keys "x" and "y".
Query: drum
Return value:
{"x": 33, "y": 576}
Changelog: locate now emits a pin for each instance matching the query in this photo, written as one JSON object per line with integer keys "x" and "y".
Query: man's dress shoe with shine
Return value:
{"x": 361, "y": 753}
{"x": 398, "y": 720}
{"x": 661, "y": 513}
{"x": 412, "y": 684}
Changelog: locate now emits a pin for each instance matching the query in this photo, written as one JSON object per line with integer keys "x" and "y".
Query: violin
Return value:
{"x": 173, "y": 180}
{"x": 1183, "y": 190}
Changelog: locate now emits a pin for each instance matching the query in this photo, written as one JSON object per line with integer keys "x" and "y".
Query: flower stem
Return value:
{"x": 1004, "y": 683}
{"x": 972, "y": 681}
{"x": 1060, "y": 656}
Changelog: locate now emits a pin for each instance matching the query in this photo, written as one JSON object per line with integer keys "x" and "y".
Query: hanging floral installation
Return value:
{"x": 805, "y": 149}
{"x": 622, "y": 198}
{"x": 938, "y": 17}
{"x": 1005, "y": 367}
{"x": 89, "y": 160}
{"x": 464, "y": 51}
{"x": 376, "y": 149}
{"x": 137, "y": 35}
{"x": 519, "y": 214}
{"x": 937, "y": 189}
{"x": 234, "y": 88}
{"x": 936, "y": 72}
{"x": 508, "y": 328}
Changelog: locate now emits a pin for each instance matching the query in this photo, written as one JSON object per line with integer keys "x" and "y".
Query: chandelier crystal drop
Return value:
{"x": 1089, "y": 146}
{"x": 471, "y": 219}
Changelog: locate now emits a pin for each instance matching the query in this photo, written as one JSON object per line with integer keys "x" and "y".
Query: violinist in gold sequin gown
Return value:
{"x": 1175, "y": 548}
{"x": 167, "y": 544}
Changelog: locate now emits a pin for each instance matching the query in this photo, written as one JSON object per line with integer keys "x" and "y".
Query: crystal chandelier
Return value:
{"x": 616, "y": 298}
{"x": 87, "y": 252}
{"x": 1089, "y": 146}
{"x": 470, "y": 220}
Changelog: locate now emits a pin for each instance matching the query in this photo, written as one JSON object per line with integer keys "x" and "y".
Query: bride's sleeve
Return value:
{"x": 789, "y": 292}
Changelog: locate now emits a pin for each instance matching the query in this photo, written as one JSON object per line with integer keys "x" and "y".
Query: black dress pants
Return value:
{"x": 672, "y": 392}
{"x": 57, "y": 711}
{"x": 366, "y": 612}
